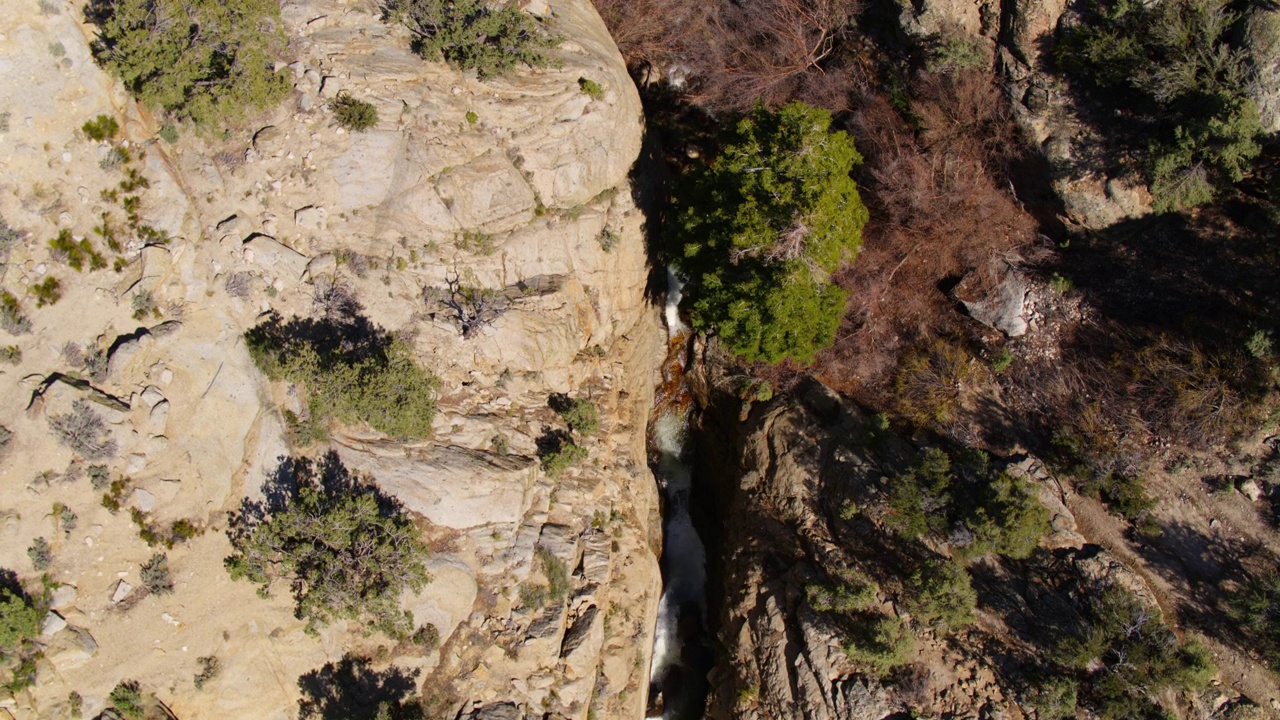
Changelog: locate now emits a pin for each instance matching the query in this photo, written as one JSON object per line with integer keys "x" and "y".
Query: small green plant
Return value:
{"x": 591, "y": 88}
{"x": 210, "y": 667}
{"x": 76, "y": 254}
{"x": 12, "y": 318}
{"x": 608, "y": 240}
{"x": 101, "y": 128}
{"x": 557, "y": 575}
{"x": 75, "y": 704}
{"x": 879, "y": 643}
{"x": 168, "y": 133}
{"x": 126, "y": 699}
{"x": 957, "y": 52}
{"x": 113, "y": 499}
{"x": 478, "y": 243}
{"x": 1060, "y": 284}
{"x": 67, "y": 519}
{"x": 472, "y": 117}
{"x": 57, "y": 49}
{"x": 156, "y": 576}
{"x": 352, "y": 114}
{"x": 144, "y": 305}
{"x": 533, "y": 596}
{"x": 500, "y": 444}
{"x": 116, "y": 157}
{"x": 11, "y": 354}
{"x": 851, "y": 591}
{"x": 99, "y": 477}
{"x": 47, "y": 291}
{"x": 41, "y": 554}
{"x": 472, "y": 35}
{"x": 1002, "y": 361}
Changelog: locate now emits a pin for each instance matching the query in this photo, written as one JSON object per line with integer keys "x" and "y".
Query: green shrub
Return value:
{"x": 580, "y": 415}
{"x": 957, "y": 52}
{"x": 76, "y": 254}
{"x": 41, "y": 554}
{"x": 1129, "y": 660}
{"x": 207, "y": 61}
{"x": 12, "y": 318}
{"x": 11, "y": 354}
{"x": 968, "y": 504}
{"x": 1002, "y": 361}
{"x": 1054, "y": 699}
{"x": 47, "y": 291}
{"x": 850, "y": 591}
{"x": 472, "y": 35}
{"x": 103, "y": 127}
{"x": 557, "y": 461}
{"x": 591, "y": 88}
{"x": 940, "y": 592}
{"x": 352, "y": 114}
{"x": 210, "y": 668}
{"x": 126, "y": 699}
{"x": 144, "y": 305}
{"x": 19, "y": 620}
{"x": 1256, "y": 605}
{"x": 1177, "y": 87}
{"x": 880, "y": 643}
{"x": 156, "y": 576}
{"x": 352, "y": 372}
{"x": 558, "y": 585}
{"x": 348, "y": 550}
{"x": 930, "y": 380}
{"x": 763, "y": 226}
{"x": 472, "y": 117}
{"x": 20, "y": 617}
{"x": 168, "y": 133}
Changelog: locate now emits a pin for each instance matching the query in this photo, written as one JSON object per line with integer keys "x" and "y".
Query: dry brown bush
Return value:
{"x": 742, "y": 52}
{"x": 774, "y": 51}
{"x": 653, "y": 34}
{"x": 940, "y": 209}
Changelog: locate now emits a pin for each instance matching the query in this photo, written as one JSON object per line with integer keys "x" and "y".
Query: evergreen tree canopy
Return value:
{"x": 763, "y": 227}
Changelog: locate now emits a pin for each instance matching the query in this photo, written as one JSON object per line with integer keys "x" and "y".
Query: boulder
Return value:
{"x": 450, "y": 486}
{"x": 997, "y": 300}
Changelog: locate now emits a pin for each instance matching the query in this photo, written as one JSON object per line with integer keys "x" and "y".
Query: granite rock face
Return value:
{"x": 519, "y": 184}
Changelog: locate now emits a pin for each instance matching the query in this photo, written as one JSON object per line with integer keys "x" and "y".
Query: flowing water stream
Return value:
{"x": 681, "y": 651}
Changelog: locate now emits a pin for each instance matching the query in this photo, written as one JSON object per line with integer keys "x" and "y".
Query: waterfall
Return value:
{"x": 680, "y": 653}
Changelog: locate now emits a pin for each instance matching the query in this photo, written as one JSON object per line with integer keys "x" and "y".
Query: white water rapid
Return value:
{"x": 675, "y": 687}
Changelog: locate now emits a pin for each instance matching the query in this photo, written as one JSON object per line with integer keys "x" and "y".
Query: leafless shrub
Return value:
{"x": 84, "y": 431}
{"x": 240, "y": 284}
{"x": 73, "y": 355}
{"x": 229, "y": 160}
{"x": 473, "y": 307}
{"x": 654, "y": 33}
{"x": 334, "y": 299}
{"x": 775, "y": 51}
{"x": 939, "y": 211}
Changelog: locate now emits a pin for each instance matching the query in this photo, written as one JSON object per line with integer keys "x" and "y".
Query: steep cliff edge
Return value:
{"x": 517, "y": 185}
{"x": 822, "y": 612}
